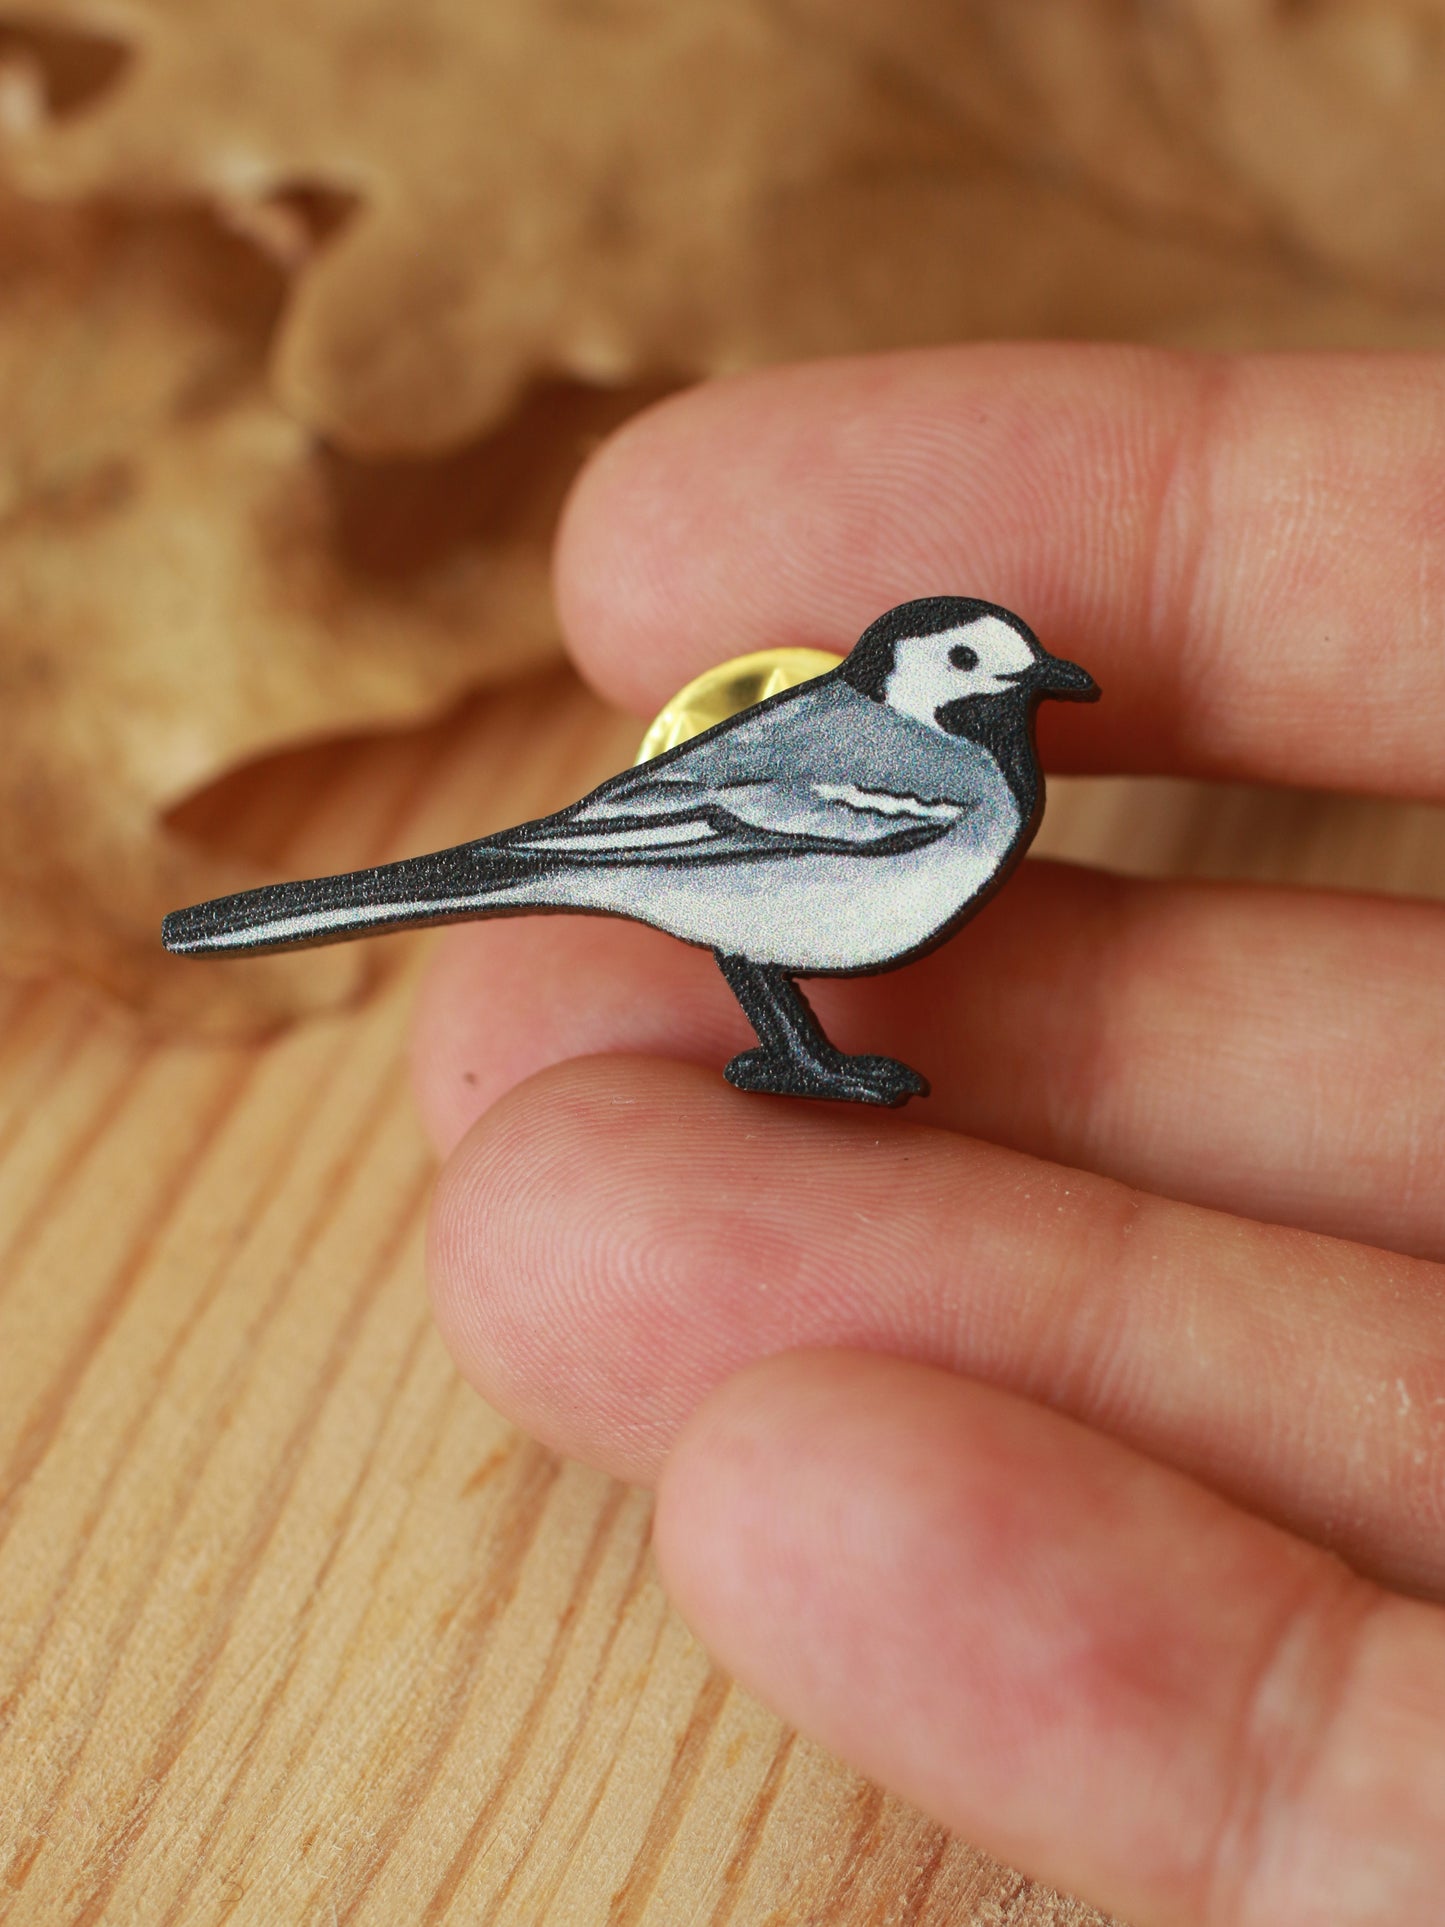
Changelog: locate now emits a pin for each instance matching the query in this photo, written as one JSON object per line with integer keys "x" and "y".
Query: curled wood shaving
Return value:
{"x": 1314, "y": 129}
{"x": 289, "y": 250}
{"x": 188, "y": 580}
{"x": 527, "y": 188}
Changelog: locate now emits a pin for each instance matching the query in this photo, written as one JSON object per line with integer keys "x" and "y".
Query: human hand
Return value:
{"x": 1064, "y": 1452}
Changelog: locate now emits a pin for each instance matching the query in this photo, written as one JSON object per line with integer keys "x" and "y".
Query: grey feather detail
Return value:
{"x": 820, "y": 771}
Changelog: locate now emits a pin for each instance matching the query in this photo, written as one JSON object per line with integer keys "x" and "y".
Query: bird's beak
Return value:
{"x": 1066, "y": 680}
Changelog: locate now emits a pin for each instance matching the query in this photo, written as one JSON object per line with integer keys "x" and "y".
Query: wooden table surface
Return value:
{"x": 292, "y": 1627}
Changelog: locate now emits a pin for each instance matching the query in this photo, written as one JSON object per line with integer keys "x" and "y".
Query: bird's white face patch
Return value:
{"x": 981, "y": 658}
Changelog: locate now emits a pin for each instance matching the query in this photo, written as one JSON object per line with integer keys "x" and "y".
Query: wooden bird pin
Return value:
{"x": 842, "y": 827}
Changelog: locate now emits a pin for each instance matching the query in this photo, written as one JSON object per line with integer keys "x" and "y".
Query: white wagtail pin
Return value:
{"x": 842, "y": 827}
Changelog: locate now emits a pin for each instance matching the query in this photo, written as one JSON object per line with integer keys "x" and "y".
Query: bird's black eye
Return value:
{"x": 962, "y": 657}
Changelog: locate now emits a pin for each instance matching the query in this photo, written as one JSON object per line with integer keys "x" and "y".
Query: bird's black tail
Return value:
{"x": 440, "y": 888}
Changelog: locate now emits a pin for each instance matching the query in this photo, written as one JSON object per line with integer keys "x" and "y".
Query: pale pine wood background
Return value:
{"x": 292, "y": 1628}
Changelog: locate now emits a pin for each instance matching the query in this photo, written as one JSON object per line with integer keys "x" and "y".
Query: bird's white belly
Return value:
{"x": 820, "y": 912}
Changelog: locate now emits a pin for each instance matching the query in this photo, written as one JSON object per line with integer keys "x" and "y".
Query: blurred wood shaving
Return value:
{"x": 308, "y": 314}
{"x": 643, "y": 189}
{"x": 188, "y": 580}
{"x": 1314, "y": 129}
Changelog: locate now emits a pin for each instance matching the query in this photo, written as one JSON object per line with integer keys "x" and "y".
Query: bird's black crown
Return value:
{"x": 871, "y": 660}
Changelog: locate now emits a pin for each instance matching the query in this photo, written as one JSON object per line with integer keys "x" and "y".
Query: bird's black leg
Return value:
{"x": 794, "y": 1058}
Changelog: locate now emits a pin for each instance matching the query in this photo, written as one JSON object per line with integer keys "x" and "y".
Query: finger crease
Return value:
{"x": 1289, "y": 1713}
{"x": 1180, "y": 543}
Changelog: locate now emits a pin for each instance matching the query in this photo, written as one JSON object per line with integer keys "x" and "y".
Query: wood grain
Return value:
{"x": 294, "y": 1629}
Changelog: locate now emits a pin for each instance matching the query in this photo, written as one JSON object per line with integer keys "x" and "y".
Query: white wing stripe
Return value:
{"x": 885, "y": 803}
{"x": 654, "y": 834}
{"x": 357, "y": 916}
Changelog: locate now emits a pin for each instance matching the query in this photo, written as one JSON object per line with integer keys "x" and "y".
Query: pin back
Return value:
{"x": 731, "y": 686}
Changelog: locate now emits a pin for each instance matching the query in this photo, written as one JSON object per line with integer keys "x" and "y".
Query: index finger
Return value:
{"x": 1247, "y": 552}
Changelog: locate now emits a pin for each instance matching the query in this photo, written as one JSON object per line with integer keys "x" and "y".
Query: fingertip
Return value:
{"x": 721, "y": 1529}
{"x": 552, "y": 1277}
{"x": 840, "y": 1528}
{"x": 494, "y": 1008}
{"x": 632, "y": 526}
{"x": 504, "y": 1000}
{"x": 468, "y": 1213}
{"x": 791, "y": 506}
{"x": 1063, "y": 1650}
{"x": 617, "y": 1234}
{"x": 500, "y": 1270}
{"x": 692, "y": 534}
{"x": 445, "y": 1088}
{"x": 502, "y": 1257}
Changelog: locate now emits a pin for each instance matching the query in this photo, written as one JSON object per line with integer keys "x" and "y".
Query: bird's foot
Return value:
{"x": 836, "y": 1077}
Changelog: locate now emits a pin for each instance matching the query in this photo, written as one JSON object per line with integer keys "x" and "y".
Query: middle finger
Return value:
{"x": 1269, "y": 1052}
{"x": 617, "y": 1237}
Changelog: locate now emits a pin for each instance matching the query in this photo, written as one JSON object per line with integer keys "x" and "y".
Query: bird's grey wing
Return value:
{"x": 819, "y": 768}
{"x": 820, "y": 732}
{"x": 679, "y": 815}
{"x": 799, "y": 735}
{"x": 690, "y": 823}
